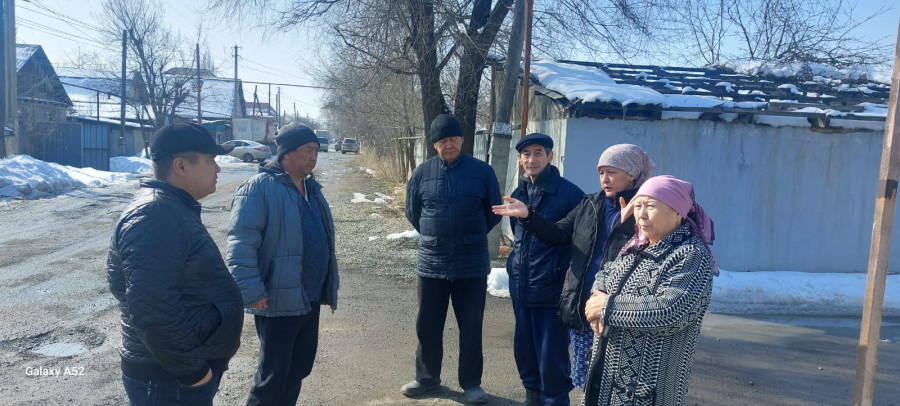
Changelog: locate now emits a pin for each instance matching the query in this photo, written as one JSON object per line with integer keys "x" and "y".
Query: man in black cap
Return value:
{"x": 181, "y": 310}
{"x": 448, "y": 201}
{"x": 281, "y": 252}
{"x": 536, "y": 274}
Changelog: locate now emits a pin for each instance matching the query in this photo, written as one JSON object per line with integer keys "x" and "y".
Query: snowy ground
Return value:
{"x": 770, "y": 293}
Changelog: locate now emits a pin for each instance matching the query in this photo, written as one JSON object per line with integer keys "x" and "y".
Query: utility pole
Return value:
{"x": 199, "y": 85}
{"x": 880, "y": 250}
{"x": 269, "y": 100}
{"x": 502, "y": 131}
{"x": 295, "y": 112}
{"x": 278, "y": 107}
{"x": 122, "y": 94}
{"x": 8, "y": 96}
{"x": 237, "y": 97}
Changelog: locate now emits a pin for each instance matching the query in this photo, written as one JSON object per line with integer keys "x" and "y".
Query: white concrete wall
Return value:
{"x": 782, "y": 198}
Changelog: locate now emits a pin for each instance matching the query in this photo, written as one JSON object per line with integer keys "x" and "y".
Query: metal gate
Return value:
{"x": 95, "y": 151}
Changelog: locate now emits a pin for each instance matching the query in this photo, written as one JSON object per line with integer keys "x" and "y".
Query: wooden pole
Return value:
{"x": 526, "y": 75}
{"x": 885, "y": 202}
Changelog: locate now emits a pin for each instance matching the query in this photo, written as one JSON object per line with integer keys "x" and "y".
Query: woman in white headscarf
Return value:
{"x": 596, "y": 234}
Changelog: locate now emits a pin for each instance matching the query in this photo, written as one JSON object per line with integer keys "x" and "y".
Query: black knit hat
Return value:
{"x": 445, "y": 126}
{"x": 293, "y": 136}
{"x": 184, "y": 137}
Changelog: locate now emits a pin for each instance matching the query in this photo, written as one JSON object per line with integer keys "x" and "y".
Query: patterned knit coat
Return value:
{"x": 653, "y": 320}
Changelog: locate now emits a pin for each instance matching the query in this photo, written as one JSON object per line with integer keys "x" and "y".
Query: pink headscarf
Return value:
{"x": 679, "y": 195}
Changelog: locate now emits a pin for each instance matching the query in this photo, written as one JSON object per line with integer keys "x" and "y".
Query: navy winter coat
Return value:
{"x": 180, "y": 307}
{"x": 537, "y": 270}
{"x": 450, "y": 206}
{"x": 265, "y": 242}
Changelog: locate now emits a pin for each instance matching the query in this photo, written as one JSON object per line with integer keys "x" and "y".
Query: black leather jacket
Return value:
{"x": 580, "y": 228}
{"x": 182, "y": 312}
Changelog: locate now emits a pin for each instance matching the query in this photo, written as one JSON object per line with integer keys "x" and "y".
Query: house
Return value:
{"x": 260, "y": 109}
{"x": 97, "y": 105}
{"x": 43, "y": 104}
{"x": 784, "y": 161}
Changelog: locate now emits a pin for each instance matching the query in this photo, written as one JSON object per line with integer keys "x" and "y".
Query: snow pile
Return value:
{"x": 405, "y": 234}
{"x": 23, "y": 177}
{"x": 361, "y": 198}
{"x": 798, "y": 293}
{"x": 776, "y": 293}
{"x": 227, "y": 159}
{"x": 498, "y": 283}
{"x": 130, "y": 164}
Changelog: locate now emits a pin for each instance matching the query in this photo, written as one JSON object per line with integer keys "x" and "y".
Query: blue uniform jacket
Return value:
{"x": 537, "y": 270}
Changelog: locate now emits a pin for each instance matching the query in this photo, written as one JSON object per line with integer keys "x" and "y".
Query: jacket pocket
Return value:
{"x": 226, "y": 337}
{"x": 571, "y": 312}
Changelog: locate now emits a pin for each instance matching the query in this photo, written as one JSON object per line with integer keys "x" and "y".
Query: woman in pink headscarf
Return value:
{"x": 648, "y": 304}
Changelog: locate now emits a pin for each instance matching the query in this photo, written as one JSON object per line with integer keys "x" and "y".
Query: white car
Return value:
{"x": 249, "y": 151}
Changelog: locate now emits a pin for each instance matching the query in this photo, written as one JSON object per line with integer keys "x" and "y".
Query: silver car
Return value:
{"x": 249, "y": 151}
{"x": 349, "y": 145}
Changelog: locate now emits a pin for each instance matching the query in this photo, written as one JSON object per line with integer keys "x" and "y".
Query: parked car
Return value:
{"x": 323, "y": 144}
{"x": 249, "y": 151}
{"x": 349, "y": 145}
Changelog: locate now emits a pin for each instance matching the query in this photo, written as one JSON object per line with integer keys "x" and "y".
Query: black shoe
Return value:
{"x": 415, "y": 388}
{"x": 532, "y": 398}
{"x": 476, "y": 395}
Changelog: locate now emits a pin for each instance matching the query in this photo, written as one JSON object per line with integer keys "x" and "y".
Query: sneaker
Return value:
{"x": 415, "y": 388}
{"x": 476, "y": 395}
{"x": 532, "y": 398}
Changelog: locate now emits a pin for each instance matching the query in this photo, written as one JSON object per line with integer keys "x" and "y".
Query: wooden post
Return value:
{"x": 885, "y": 202}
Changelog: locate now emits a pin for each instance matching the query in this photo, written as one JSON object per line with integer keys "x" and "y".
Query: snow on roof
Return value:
{"x": 217, "y": 99}
{"x": 24, "y": 53}
{"x": 701, "y": 89}
{"x": 820, "y": 72}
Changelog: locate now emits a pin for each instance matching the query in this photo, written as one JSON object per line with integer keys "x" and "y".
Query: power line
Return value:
{"x": 58, "y": 33}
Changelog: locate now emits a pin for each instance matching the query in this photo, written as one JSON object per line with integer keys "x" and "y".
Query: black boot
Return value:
{"x": 532, "y": 398}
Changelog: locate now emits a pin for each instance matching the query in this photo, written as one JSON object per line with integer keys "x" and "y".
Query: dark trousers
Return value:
{"x": 468, "y": 298}
{"x": 171, "y": 392}
{"x": 287, "y": 351}
{"x": 541, "y": 349}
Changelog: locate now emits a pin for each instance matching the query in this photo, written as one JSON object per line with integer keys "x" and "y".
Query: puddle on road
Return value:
{"x": 61, "y": 349}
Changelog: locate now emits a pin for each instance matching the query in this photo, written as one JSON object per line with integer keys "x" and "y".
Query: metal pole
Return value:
{"x": 122, "y": 94}
{"x": 885, "y": 202}
{"x": 199, "y": 85}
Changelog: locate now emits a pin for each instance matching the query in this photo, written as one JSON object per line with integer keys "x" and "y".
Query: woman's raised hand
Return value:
{"x": 512, "y": 208}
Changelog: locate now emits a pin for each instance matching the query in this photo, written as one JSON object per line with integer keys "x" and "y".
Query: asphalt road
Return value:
{"x": 57, "y": 315}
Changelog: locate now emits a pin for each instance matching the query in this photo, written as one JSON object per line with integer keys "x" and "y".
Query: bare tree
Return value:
{"x": 811, "y": 31}
{"x": 153, "y": 49}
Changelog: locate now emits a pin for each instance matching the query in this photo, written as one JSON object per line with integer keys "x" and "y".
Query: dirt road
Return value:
{"x": 61, "y": 326}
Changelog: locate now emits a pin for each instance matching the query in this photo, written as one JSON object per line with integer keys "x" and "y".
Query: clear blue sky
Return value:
{"x": 56, "y": 25}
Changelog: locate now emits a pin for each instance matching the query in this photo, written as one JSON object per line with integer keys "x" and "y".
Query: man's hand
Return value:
{"x": 261, "y": 305}
{"x": 513, "y": 208}
{"x": 205, "y": 378}
{"x": 593, "y": 310}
